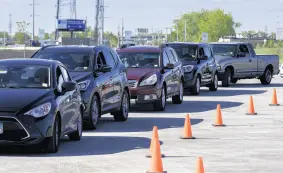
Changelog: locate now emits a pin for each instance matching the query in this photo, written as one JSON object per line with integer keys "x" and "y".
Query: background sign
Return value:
{"x": 204, "y": 37}
{"x": 41, "y": 33}
{"x": 71, "y": 25}
{"x": 128, "y": 35}
{"x": 142, "y": 30}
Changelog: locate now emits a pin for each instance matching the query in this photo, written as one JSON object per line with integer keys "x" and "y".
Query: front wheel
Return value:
{"x": 234, "y": 81}
{"x": 196, "y": 87}
{"x": 266, "y": 78}
{"x": 94, "y": 113}
{"x": 227, "y": 78}
{"x": 161, "y": 103}
{"x": 52, "y": 144}
{"x": 123, "y": 113}
{"x": 77, "y": 135}
{"x": 178, "y": 99}
{"x": 214, "y": 85}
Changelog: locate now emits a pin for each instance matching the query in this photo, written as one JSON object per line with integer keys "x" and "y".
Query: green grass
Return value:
{"x": 271, "y": 51}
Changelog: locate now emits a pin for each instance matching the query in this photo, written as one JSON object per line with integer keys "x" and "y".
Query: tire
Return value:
{"x": 160, "y": 105}
{"x": 196, "y": 87}
{"x": 266, "y": 77}
{"x": 123, "y": 113}
{"x": 178, "y": 99}
{"x": 234, "y": 81}
{"x": 95, "y": 112}
{"x": 214, "y": 85}
{"x": 52, "y": 144}
{"x": 227, "y": 78}
{"x": 77, "y": 135}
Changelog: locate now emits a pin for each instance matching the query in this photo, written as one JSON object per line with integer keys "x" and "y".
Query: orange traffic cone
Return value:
{"x": 187, "y": 134}
{"x": 199, "y": 168}
{"x": 154, "y": 136}
{"x": 274, "y": 99}
{"x": 251, "y": 109}
{"x": 218, "y": 121}
{"x": 156, "y": 165}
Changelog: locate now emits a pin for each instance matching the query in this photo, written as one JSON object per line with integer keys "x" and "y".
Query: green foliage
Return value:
{"x": 113, "y": 39}
{"x": 216, "y": 23}
{"x": 22, "y": 34}
{"x": 6, "y": 35}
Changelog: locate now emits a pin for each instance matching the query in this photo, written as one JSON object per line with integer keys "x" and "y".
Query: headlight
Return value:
{"x": 84, "y": 84}
{"x": 40, "y": 111}
{"x": 149, "y": 81}
{"x": 218, "y": 67}
{"x": 188, "y": 68}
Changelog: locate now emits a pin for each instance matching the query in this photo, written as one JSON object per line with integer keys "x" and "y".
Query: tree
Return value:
{"x": 7, "y": 36}
{"x": 112, "y": 39}
{"x": 22, "y": 35}
{"x": 216, "y": 23}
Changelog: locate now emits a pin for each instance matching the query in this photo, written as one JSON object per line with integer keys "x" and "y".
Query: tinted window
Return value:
{"x": 140, "y": 59}
{"x": 201, "y": 52}
{"x": 171, "y": 57}
{"x": 24, "y": 76}
{"x": 207, "y": 51}
{"x": 109, "y": 59}
{"x": 165, "y": 59}
{"x": 224, "y": 49}
{"x": 74, "y": 61}
{"x": 186, "y": 51}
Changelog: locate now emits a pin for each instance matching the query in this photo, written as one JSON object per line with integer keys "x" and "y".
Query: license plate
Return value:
{"x": 1, "y": 127}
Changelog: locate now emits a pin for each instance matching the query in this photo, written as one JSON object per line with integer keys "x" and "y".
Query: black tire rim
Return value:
{"x": 94, "y": 112}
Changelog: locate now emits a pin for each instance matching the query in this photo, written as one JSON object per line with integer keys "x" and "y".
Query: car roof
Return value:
{"x": 44, "y": 62}
{"x": 140, "y": 49}
{"x": 68, "y": 48}
{"x": 232, "y": 43}
{"x": 185, "y": 43}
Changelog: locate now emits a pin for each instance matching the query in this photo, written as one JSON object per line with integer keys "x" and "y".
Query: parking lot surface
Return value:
{"x": 246, "y": 144}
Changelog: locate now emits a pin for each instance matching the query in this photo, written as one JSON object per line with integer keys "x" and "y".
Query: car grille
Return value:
{"x": 133, "y": 83}
{"x": 13, "y": 130}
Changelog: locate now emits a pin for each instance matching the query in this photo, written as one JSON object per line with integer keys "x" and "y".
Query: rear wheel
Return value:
{"x": 161, "y": 103}
{"x": 123, "y": 113}
{"x": 214, "y": 85}
{"x": 266, "y": 78}
{"x": 178, "y": 99}
{"x": 52, "y": 144}
{"x": 234, "y": 81}
{"x": 196, "y": 87}
{"x": 77, "y": 135}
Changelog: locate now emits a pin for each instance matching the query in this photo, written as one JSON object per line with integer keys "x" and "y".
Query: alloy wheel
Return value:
{"x": 94, "y": 112}
{"x": 125, "y": 105}
{"x": 163, "y": 98}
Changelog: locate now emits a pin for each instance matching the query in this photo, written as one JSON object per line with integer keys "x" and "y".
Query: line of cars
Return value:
{"x": 60, "y": 88}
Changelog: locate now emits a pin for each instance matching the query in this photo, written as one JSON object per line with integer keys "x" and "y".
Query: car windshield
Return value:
{"x": 140, "y": 59}
{"x": 188, "y": 52}
{"x": 24, "y": 76}
{"x": 74, "y": 61}
{"x": 224, "y": 49}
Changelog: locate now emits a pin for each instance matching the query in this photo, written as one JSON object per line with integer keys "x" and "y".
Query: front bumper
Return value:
{"x": 189, "y": 80}
{"x": 86, "y": 99}
{"x": 25, "y": 130}
{"x": 147, "y": 94}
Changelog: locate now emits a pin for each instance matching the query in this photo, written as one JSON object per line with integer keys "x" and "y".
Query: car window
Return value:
{"x": 201, "y": 52}
{"x": 207, "y": 52}
{"x": 171, "y": 57}
{"x": 174, "y": 55}
{"x": 244, "y": 48}
{"x": 109, "y": 58}
{"x": 140, "y": 59}
{"x": 115, "y": 55}
{"x": 74, "y": 61}
{"x": 100, "y": 60}
{"x": 165, "y": 59}
{"x": 59, "y": 79}
{"x": 65, "y": 74}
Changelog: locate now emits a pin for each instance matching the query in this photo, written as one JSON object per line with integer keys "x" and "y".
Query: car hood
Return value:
{"x": 219, "y": 58}
{"x": 139, "y": 73}
{"x": 79, "y": 76}
{"x": 188, "y": 62}
{"x": 17, "y": 99}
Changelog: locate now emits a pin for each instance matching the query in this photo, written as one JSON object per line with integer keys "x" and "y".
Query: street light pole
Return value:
{"x": 33, "y": 9}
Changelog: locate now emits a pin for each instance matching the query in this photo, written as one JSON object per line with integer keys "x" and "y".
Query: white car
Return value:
{"x": 281, "y": 70}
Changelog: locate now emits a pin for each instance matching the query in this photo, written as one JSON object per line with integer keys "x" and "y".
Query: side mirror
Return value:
{"x": 105, "y": 69}
{"x": 241, "y": 54}
{"x": 203, "y": 57}
{"x": 169, "y": 66}
{"x": 68, "y": 86}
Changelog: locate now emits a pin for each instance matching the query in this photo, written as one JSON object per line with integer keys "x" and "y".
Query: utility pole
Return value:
{"x": 33, "y": 18}
{"x": 122, "y": 31}
{"x": 119, "y": 37}
{"x": 185, "y": 34}
{"x": 102, "y": 22}
{"x": 10, "y": 25}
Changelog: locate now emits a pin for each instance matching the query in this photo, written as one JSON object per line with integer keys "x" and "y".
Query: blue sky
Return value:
{"x": 152, "y": 14}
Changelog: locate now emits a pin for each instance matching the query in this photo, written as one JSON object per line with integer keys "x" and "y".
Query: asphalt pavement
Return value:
{"x": 248, "y": 144}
